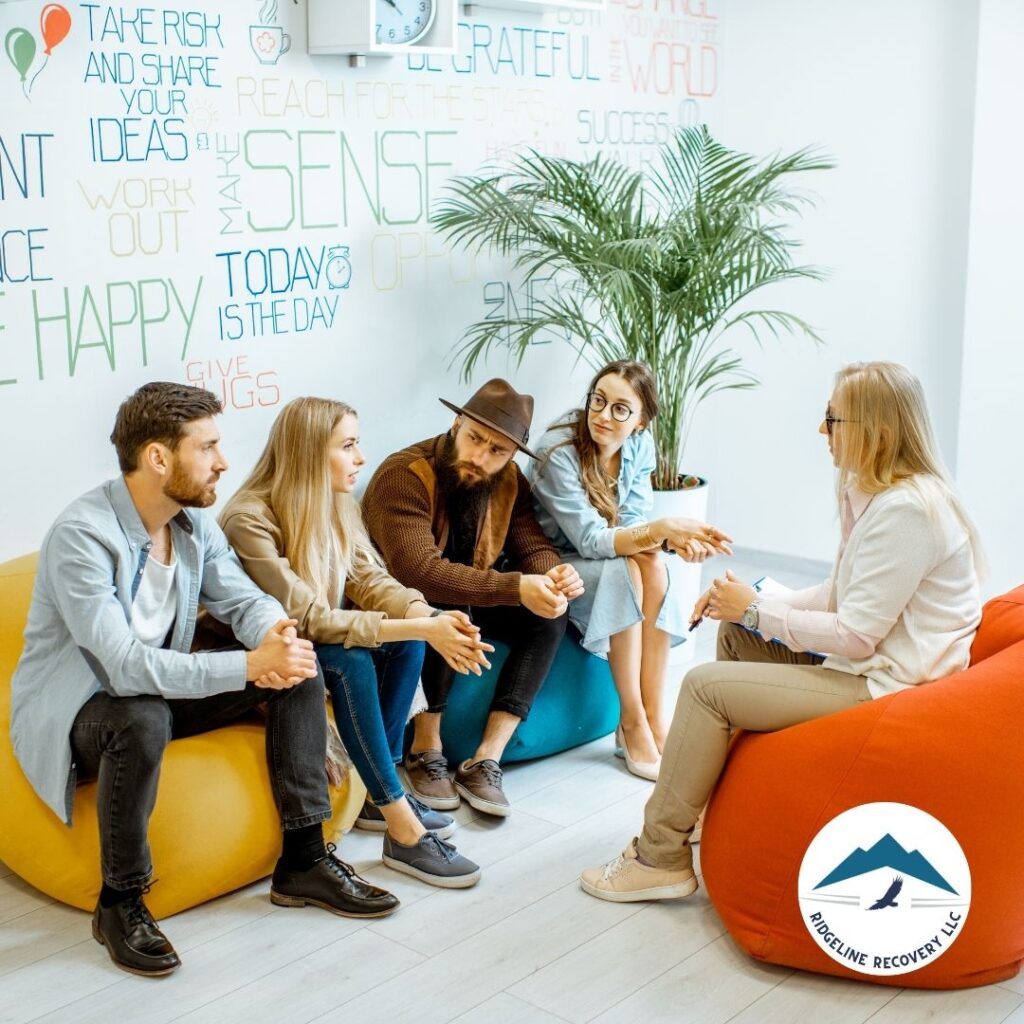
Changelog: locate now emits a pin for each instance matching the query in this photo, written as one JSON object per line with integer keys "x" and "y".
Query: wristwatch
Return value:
{"x": 751, "y": 617}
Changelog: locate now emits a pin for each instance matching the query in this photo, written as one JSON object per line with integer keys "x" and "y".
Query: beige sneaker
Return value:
{"x": 626, "y": 880}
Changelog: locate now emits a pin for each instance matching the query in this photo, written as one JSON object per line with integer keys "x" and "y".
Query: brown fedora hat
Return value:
{"x": 499, "y": 406}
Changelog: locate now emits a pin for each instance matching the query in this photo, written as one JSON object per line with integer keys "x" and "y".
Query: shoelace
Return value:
{"x": 338, "y": 866}
{"x": 136, "y": 910}
{"x": 436, "y": 768}
{"x": 446, "y": 850}
{"x": 613, "y": 867}
{"x": 492, "y": 770}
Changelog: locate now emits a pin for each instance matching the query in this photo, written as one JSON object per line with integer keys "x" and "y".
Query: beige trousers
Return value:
{"x": 755, "y": 685}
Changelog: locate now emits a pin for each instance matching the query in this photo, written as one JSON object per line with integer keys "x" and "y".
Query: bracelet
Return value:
{"x": 642, "y": 535}
{"x": 666, "y": 548}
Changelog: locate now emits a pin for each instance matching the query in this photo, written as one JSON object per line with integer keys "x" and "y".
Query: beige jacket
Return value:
{"x": 253, "y": 531}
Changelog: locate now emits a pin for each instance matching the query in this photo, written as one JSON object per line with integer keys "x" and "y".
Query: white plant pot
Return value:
{"x": 684, "y": 577}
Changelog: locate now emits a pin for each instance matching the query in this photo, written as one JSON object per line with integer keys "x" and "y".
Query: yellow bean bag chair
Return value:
{"x": 214, "y": 829}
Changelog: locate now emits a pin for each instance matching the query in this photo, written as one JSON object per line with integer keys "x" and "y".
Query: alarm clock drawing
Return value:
{"x": 403, "y": 21}
{"x": 339, "y": 269}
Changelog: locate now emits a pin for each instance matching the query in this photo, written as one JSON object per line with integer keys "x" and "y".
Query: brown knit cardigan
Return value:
{"x": 408, "y": 523}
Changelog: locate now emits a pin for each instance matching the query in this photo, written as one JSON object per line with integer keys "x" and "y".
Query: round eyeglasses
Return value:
{"x": 596, "y": 402}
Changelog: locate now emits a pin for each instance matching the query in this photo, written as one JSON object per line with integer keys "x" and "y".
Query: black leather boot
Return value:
{"x": 132, "y": 937}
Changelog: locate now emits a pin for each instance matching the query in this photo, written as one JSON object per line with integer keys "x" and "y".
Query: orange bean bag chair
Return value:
{"x": 952, "y": 748}
{"x": 214, "y": 828}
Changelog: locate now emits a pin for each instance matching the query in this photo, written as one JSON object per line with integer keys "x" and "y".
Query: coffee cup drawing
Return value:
{"x": 268, "y": 42}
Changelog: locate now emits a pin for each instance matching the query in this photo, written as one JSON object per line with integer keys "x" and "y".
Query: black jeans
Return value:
{"x": 533, "y": 643}
{"x": 120, "y": 742}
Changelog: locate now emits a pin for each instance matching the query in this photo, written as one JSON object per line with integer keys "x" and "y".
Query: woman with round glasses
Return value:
{"x": 592, "y": 491}
{"x": 900, "y": 609}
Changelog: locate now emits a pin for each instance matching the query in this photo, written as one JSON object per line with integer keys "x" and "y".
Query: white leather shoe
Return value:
{"x": 642, "y": 769}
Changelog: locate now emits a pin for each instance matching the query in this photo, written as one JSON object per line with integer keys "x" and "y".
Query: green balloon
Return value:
{"x": 20, "y": 45}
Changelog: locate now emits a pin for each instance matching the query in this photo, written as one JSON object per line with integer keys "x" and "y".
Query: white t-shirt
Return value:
{"x": 155, "y": 604}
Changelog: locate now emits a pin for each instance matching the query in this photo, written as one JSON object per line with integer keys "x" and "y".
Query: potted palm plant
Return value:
{"x": 660, "y": 267}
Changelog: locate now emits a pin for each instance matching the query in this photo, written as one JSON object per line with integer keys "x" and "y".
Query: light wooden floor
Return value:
{"x": 525, "y": 945}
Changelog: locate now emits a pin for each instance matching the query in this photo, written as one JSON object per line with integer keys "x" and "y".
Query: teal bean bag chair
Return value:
{"x": 576, "y": 704}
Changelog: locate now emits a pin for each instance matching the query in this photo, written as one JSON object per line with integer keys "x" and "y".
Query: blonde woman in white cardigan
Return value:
{"x": 900, "y": 609}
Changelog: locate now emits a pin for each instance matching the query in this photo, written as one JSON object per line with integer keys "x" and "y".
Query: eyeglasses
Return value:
{"x": 620, "y": 411}
{"x": 831, "y": 421}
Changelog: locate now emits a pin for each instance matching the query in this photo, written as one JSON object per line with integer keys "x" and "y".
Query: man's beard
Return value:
{"x": 187, "y": 493}
{"x": 473, "y": 492}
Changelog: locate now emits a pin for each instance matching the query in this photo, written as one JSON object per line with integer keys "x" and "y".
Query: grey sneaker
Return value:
{"x": 426, "y": 777}
{"x": 480, "y": 785}
{"x": 433, "y": 861}
{"x": 372, "y": 820}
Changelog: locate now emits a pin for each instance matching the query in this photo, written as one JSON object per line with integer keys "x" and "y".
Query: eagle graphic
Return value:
{"x": 889, "y": 899}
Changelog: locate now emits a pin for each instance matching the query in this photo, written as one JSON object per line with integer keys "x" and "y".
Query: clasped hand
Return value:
{"x": 282, "y": 660}
{"x": 695, "y": 541}
{"x": 453, "y": 635}
{"x": 549, "y": 595}
{"x": 725, "y": 600}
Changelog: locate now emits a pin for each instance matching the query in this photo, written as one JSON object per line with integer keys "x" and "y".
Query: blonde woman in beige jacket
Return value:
{"x": 296, "y": 526}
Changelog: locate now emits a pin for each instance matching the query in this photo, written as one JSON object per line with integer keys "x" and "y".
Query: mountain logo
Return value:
{"x": 884, "y": 888}
{"x": 886, "y": 853}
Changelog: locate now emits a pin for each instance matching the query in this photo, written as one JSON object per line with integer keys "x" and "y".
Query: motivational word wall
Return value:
{"x": 186, "y": 194}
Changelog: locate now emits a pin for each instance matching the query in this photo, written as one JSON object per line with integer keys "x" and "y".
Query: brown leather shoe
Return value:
{"x": 132, "y": 938}
{"x": 426, "y": 777}
{"x": 480, "y": 785}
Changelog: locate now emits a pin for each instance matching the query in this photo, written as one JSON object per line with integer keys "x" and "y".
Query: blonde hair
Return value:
{"x": 320, "y": 529}
{"x": 887, "y": 440}
{"x": 602, "y": 489}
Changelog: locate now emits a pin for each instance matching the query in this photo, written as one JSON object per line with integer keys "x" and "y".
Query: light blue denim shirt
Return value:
{"x": 563, "y": 509}
{"x": 79, "y": 640}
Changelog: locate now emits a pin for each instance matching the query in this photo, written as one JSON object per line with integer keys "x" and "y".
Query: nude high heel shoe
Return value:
{"x": 642, "y": 769}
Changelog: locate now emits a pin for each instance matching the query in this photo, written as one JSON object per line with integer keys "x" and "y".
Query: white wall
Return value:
{"x": 888, "y": 89}
{"x": 990, "y": 463}
{"x": 518, "y": 79}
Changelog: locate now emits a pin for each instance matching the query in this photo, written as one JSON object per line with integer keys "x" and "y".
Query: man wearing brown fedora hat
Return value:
{"x": 442, "y": 512}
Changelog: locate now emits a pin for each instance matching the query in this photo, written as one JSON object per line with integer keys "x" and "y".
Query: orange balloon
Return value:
{"x": 55, "y": 24}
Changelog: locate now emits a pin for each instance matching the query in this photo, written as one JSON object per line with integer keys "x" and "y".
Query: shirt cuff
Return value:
{"x": 365, "y": 630}
{"x": 771, "y": 618}
{"x": 230, "y": 672}
{"x": 605, "y": 544}
{"x": 508, "y": 592}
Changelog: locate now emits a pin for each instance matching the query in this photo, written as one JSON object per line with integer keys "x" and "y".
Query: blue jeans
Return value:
{"x": 371, "y": 691}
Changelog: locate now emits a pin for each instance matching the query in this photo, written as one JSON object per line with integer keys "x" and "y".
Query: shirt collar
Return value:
{"x": 857, "y": 500}
{"x": 129, "y": 518}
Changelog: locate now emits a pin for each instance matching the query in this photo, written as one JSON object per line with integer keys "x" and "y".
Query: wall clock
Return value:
{"x": 402, "y": 22}
{"x": 381, "y": 28}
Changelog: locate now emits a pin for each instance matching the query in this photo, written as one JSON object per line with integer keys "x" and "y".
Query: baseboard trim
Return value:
{"x": 774, "y": 560}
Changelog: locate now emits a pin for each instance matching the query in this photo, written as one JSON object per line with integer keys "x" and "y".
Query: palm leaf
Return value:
{"x": 660, "y": 268}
